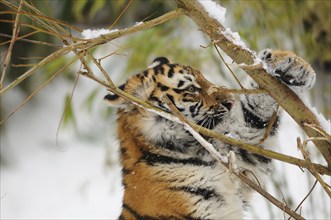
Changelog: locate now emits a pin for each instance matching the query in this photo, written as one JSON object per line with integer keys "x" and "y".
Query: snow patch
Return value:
{"x": 214, "y": 10}
{"x": 90, "y": 34}
{"x": 234, "y": 37}
{"x": 325, "y": 123}
{"x": 138, "y": 23}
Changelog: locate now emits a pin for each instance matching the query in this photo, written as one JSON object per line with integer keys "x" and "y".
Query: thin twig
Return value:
{"x": 11, "y": 45}
{"x": 110, "y": 54}
{"x": 269, "y": 197}
{"x": 105, "y": 74}
{"x": 227, "y": 65}
{"x": 17, "y": 38}
{"x": 320, "y": 130}
{"x": 23, "y": 65}
{"x": 304, "y": 199}
{"x": 120, "y": 15}
{"x": 272, "y": 121}
{"x": 63, "y": 113}
{"x": 310, "y": 167}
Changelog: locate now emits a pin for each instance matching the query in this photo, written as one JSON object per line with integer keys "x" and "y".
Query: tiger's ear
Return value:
{"x": 115, "y": 100}
{"x": 140, "y": 86}
{"x": 159, "y": 61}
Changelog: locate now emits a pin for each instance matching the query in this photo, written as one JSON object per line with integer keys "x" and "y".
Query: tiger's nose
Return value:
{"x": 228, "y": 104}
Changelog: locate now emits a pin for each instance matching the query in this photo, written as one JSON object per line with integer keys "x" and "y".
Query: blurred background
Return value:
{"x": 59, "y": 155}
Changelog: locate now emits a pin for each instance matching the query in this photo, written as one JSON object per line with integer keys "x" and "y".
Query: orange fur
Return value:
{"x": 144, "y": 190}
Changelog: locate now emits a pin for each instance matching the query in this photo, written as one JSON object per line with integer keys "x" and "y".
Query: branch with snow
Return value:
{"x": 90, "y": 34}
{"x": 205, "y": 16}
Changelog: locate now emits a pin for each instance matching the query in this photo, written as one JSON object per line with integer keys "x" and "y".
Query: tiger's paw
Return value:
{"x": 289, "y": 68}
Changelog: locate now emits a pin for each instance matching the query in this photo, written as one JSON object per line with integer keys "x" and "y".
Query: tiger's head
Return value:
{"x": 191, "y": 93}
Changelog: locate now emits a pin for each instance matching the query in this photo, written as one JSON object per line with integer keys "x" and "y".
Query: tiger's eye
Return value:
{"x": 191, "y": 89}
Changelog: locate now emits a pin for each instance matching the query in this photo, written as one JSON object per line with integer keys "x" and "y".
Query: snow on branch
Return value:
{"x": 90, "y": 34}
{"x": 214, "y": 10}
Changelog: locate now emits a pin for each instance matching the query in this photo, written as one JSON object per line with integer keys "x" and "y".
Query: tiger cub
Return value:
{"x": 167, "y": 174}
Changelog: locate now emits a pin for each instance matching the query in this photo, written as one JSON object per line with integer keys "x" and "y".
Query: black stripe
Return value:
{"x": 170, "y": 145}
{"x": 250, "y": 105}
{"x": 158, "y": 70}
{"x": 122, "y": 87}
{"x": 190, "y": 218}
{"x": 171, "y": 71}
{"x": 198, "y": 191}
{"x": 188, "y": 100}
{"x": 245, "y": 155}
{"x": 145, "y": 73}
{"x": 158, "y": 101}
{"x": 256, "y": 122}
{"x": 110, "y": 97}
{"x": 142, "y": 78}
{"x": 275, "y": 126}
{"x": 180, "y": 83}
{"x": 154, "y": 159}
{"x": 113, "y": 97}
{"x": 132, "y": 211}
{"x": 288, "y": 80}
{"x": 261, "y": 158}
{"x": 126, "y": 171}
{"x": 173, "y": 102}
{"x": 177, "y": 145}
{"x": 252, "y": 119}
{"x": 188, "y": 78}
{"x": 154, "y": 98}
{"x": 192, "y": 108}
{"x": 121, "y": 218}
{"x": 198, "y": 109}
{"x": 162, "y": 87}
{"x": 178, "y": 91}
{"x": 147, "y": 217}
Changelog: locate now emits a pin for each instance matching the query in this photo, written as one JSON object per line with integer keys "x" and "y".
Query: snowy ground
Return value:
{"x": 77, "y": 179}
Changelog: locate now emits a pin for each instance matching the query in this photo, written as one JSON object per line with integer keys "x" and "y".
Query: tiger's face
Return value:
{"x": 191, "y": 93}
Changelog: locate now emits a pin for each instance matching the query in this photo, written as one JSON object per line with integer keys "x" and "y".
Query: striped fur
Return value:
{"x": 166, "y": 173}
